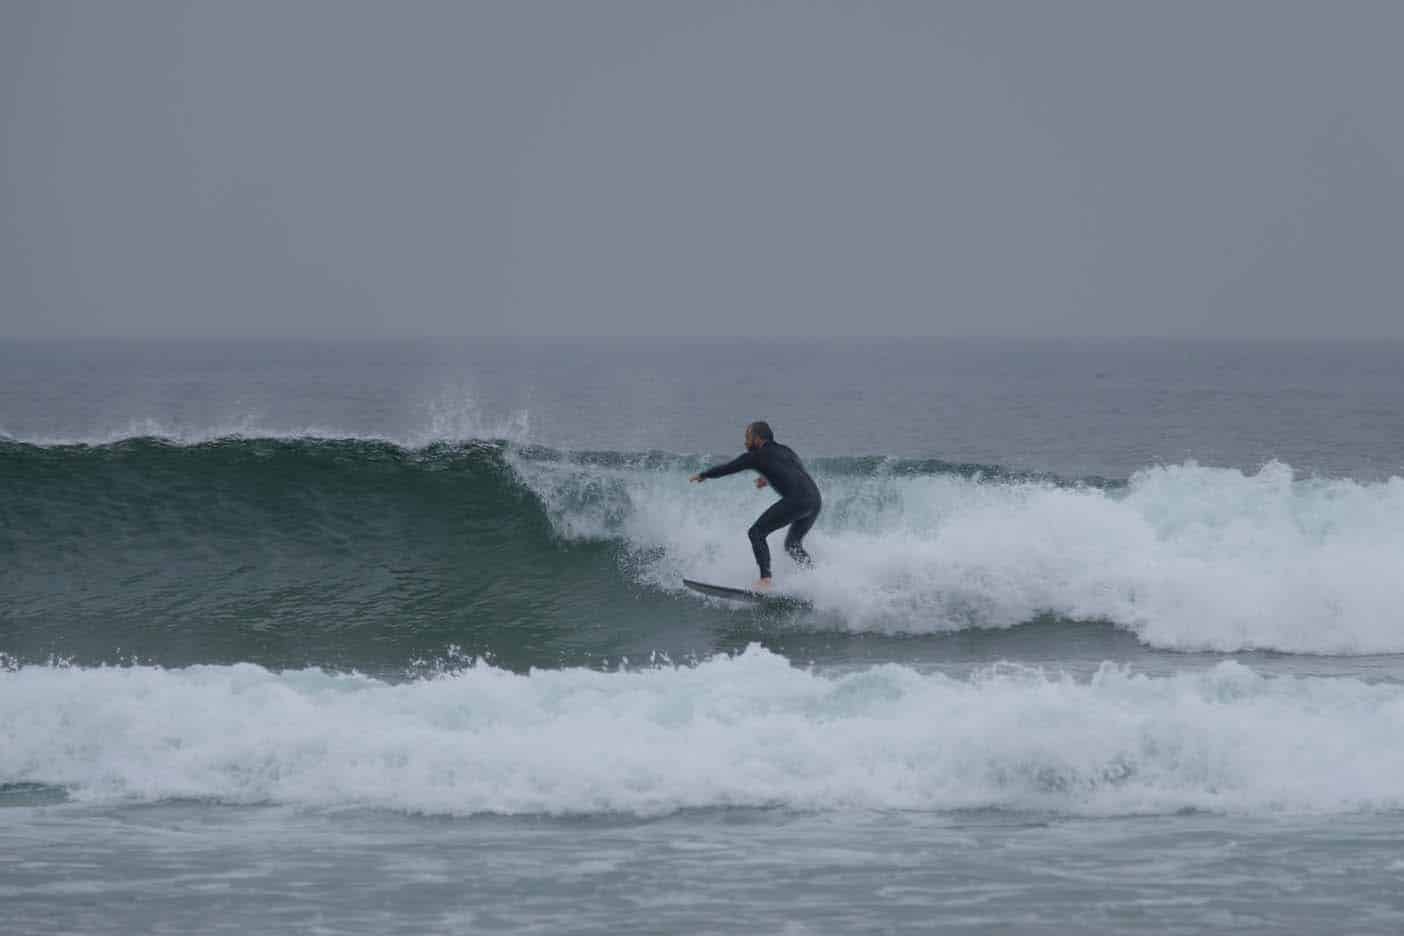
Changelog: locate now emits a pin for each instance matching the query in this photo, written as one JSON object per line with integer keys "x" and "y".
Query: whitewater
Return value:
{"x": 1186, "y": 556}
{"x": 749, "y": 730}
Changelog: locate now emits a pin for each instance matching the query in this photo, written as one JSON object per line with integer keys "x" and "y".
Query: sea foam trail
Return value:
{"x": 748, "y": 730}
{"x": 1186, "y": 556}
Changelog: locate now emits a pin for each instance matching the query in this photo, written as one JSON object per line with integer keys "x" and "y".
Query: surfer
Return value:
{"x": 799, "y": 503}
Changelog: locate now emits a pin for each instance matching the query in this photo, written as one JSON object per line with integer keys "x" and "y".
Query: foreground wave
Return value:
{"x": 264, "y": 537}
{"x": 742, "y": 731}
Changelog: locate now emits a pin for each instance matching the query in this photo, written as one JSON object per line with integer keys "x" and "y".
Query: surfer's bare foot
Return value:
{"x": 762, "y": 585}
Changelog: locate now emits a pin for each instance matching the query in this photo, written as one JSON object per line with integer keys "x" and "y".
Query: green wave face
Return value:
{"x": 339, "y": 552}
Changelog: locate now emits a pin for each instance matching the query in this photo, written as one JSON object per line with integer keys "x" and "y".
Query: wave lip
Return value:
{"x": 742, "y": 731}
{"x": 443, "y": 422}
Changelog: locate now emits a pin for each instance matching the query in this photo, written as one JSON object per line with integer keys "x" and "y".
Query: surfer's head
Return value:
{"x": 757, "y": 434}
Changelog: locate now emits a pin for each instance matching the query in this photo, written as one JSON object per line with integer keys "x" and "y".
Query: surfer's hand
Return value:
{"x": 697, "y": 479}
{"x": 760, "y": 483}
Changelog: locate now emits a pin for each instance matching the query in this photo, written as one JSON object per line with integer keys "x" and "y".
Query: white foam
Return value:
{"x": 1186, "y": 556}
{"x": 748, "y": 730}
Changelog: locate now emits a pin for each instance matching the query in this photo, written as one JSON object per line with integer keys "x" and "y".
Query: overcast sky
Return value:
{"x": 346, "y": 168}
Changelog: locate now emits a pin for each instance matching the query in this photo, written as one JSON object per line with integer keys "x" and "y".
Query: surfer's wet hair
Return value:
{"x": 761, "y": 430}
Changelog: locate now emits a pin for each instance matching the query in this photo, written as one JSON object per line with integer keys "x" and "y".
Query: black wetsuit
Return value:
{"x": 797, "y": 508}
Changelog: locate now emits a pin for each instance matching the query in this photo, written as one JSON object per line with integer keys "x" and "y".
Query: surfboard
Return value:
{"x": 743, "y": 594}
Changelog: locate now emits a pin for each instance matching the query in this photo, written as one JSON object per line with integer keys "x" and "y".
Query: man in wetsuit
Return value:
{"x": 799, "y": 503}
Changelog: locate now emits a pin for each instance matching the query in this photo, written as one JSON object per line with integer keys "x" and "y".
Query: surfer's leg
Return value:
{"x": 794, "y": 538}
{"x": 779, "y": 514}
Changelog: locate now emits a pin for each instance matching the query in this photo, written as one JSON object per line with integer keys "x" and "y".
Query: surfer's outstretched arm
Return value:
{"x": 739, "y": 463}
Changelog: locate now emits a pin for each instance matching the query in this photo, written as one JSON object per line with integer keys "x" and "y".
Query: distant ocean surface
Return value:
{"x": 391, "y": 637}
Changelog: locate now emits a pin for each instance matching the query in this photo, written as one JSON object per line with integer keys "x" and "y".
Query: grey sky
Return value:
{"x": 432, "y": 168}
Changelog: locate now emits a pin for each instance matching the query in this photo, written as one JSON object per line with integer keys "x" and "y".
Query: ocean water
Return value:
{"x": 391, "y": 637}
